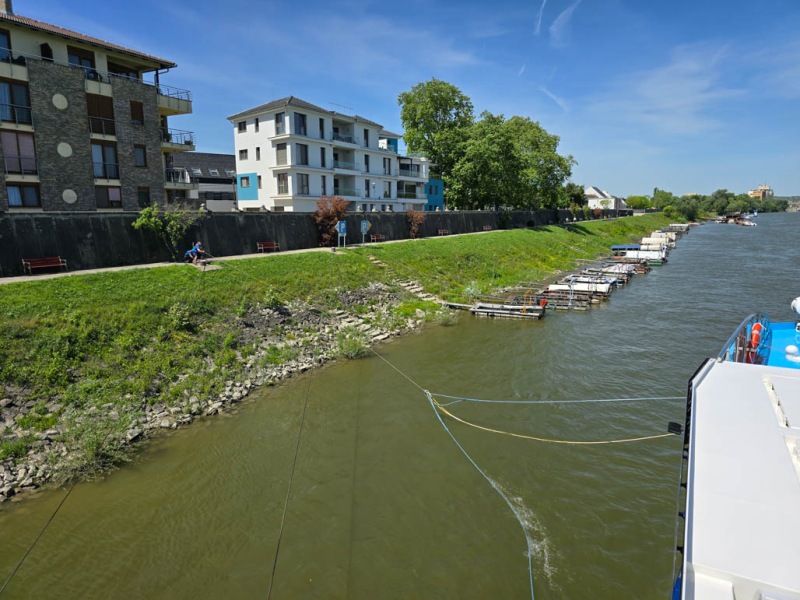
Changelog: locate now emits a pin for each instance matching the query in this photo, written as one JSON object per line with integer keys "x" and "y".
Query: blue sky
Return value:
{"x": 684, "y": 96}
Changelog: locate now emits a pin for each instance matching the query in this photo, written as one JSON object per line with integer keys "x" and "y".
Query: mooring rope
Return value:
{"x": 549, "y": 440}
{"x": 494, "y": 486}
{"x": 457, "y": 399}
{"x": 289, "y": 490}
{"x": 41, "y": 533}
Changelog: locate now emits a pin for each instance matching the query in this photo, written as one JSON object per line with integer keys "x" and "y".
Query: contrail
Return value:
{"x": 539, "y": 20}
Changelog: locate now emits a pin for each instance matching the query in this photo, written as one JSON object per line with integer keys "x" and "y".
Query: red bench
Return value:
{"x": 261, "y": 246}
{"x": 28, "y": 264}
{"x": 376, "y": 237}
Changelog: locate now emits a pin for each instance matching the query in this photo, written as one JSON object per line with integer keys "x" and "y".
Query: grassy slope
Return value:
{"x": 128, "y": 337}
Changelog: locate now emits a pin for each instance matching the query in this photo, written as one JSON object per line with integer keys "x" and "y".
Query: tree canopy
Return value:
{"x": 488, "y": 163}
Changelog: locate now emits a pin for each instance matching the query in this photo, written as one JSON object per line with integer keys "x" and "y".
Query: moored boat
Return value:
{"x": 741, "y": 468}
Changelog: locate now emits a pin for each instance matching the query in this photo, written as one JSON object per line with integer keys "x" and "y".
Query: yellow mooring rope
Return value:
{"x": 549, "y": 441}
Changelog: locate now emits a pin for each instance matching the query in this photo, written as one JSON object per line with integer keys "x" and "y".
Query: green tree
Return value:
{"x": 436, "y": 116}
{"x": 576, "y": 194}
{"x": 490, "y": 170}
{"x": 545, "y": 170}
{"x": 662, "y": 199}
{"x": 170, "y": 225}
{"x": 637, "y": 202}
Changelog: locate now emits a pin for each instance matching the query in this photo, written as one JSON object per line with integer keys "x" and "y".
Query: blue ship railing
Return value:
{"x": 749, "y": 345}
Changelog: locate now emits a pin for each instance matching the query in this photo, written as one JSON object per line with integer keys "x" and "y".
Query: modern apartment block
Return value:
{"x": 289, "y": 153}
{"x": 215, "y": 176}
{"x": 80, "y": 128}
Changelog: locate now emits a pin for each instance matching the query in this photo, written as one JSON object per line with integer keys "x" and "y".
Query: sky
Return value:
{"x": 685, "y": 96}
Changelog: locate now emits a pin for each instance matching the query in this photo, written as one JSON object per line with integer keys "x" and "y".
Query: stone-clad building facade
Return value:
{"x": 80, "y": 128}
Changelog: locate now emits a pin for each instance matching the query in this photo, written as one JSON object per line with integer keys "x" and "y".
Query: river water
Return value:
{"x": 383, "y": 503}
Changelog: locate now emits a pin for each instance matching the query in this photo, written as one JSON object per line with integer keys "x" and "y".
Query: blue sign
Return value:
{"x": 341, "y": 227}
{"x": 364, "y": 227}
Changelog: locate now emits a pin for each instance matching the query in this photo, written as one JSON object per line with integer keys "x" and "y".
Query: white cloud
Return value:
{"x": 682, "y": 97}
{"x": 539, "y": 19}
{"x": 561, "y": 103}
{"x": 560, "y": 29}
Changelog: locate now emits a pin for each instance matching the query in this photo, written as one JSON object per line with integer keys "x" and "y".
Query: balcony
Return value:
{"x": 346, "y": 192}
{"x": 102, "y": 126}
{"x": 178, "y": 179}
{"x": 17, "y": 114}
{"x": 411, "y": 196}
{"x": 346, "y": 165}
{"x": 174, "y": 101}
{"x": 413, "y": 173}
{"x": 176, "y": 140}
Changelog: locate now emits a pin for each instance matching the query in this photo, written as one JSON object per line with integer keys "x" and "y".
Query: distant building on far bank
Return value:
{"x": 214, "y": 177}
{"x": 597, "y": 198}
{"x": 762, "y": 193}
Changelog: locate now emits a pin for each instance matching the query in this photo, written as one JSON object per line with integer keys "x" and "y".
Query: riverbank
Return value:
{"x": 92, "y": 363}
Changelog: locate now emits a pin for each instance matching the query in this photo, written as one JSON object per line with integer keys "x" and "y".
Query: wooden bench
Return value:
{"x": 487, "y": 227}
{"x": 376, "y": 237}
{"x": 261, "y": 246}
{"x": 28, "y": 264}
{"x": 444, "y": 232}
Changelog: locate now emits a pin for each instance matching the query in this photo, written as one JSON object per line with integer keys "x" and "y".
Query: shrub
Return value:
{"x": 351, "y": 343}
{"x": 330, "y": 210}
{"x": 415, "y": 219}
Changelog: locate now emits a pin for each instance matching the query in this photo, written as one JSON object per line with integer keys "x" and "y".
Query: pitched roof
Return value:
{"x": 297, "y": 102}
{"x": 389, "y": 134}
{"x": 205, "y": 161}
{"x": 79, "y": 37}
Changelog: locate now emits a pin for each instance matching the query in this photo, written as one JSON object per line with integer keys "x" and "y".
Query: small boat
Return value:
{"x": 741, "y": 468}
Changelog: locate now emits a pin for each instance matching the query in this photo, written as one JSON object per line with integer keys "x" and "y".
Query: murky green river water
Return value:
{"x": 383, "y": 504}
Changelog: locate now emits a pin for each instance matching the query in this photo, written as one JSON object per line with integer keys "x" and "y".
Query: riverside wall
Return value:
{"x": 99, "y": 240}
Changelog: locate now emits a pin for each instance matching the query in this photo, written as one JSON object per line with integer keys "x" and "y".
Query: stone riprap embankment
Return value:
{"x": 289, "y": 339}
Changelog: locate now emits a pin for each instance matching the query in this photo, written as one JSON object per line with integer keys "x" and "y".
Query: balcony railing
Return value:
{"x": 20, "y": 165}
{"x": 15, "y": 113}
{"x": 410, "y": 172}
{"x": 102, "y": 125}
{"x": 344, "y": 164}
{"x": 105, "y": 170}
{"x": 346, "y": 192}
{"x": 21, "y": 58}
{"x": 411, "y": 196}
{"x": 176, "y": 136}
{"x": 338, "y": 137}
{"x": 177, "y": 176}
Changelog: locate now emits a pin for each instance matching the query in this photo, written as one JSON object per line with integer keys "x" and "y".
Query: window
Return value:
{"x": 101, "y": 114}
{"x": 122, "y": 71}
{"x": 5, "y": 45}
{"x": 78, "y": 57}
{"x": 245, "y": 182}
{"x": 321, "y": 128}
{"x": 366, "y": 163}
{"x": 387, "y": 189}
{"x": 324, "y": 185}
{"x": 387, "y": 166}
{"x": 139, "y": 155}
{"x": 280, "y": 151}
{"x": 213, "y": 172}
{"x": 259, "y": 182}
{"x": 196, "y": 170}
{"x": 143, "y": 197}
{"x": 243, "y": 154}
{"x": 283, "y": 183}
{"x": 366, "y": 188}
{"x": 279, "y": 126}
{"x": 104, "y": 160}
{"x": 299, "y": 124}
{"x": 322, "y": 157}
{"x": 137, "y": 112}
{"x": 257, "y": 124}
{"x": 15, "y": 102}
{"x": 242, "y": 126}
{"x": 302, "y": 184}
{"x": 302, "y": 154}
{"x": 18, "y": 152}
{"x": 258, "y": 152}
{"x": 23, "y": 195}
{"x": 230, "y": 172}
{"x": 108, "y": 197}
{"x": 366, "y": 138}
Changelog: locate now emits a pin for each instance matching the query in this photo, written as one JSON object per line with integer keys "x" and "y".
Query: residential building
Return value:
{"x": 289, "y": 153}
{"x": 80, "y": 129}
{"x": 762, "y": 193}
{"x": 214, "y": 176}
{"x": 597, "y": 198}
{"x": 435, "y": 191}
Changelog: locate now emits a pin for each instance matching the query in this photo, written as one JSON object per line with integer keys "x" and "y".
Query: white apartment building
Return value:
{"x": 289, "y": 153}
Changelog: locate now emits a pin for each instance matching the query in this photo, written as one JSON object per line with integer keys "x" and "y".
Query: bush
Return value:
{"x": 330, "y": 210}
{"x": 351, "y": 343}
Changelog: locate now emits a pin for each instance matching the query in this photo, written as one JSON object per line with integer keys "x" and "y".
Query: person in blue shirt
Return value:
{"x": 195, "y": 254}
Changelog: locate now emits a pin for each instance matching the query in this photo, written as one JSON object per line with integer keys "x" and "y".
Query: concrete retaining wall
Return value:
{"x": 97, "y": 240}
